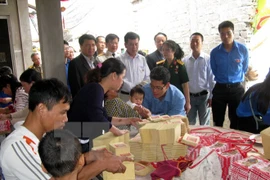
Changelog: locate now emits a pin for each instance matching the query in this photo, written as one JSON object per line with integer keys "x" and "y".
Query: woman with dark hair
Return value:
{"x": 173, "y": 55}
{"x": 10, "y": 85}
{"x": 27, "y": 78}
{"x": 254, "y": 109}
{"x": 87, "y": 107}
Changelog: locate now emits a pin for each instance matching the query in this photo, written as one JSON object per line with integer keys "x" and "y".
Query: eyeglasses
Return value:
{"x": 157, "y": 87}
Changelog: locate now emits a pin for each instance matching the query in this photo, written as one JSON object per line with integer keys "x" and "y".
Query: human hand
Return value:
{"x": 118, "y": 132}
{"x": 187, "y": 107}
{"x": 5, "y": 100}
{"x": 115, "y": 164}
{"x": 133, "y": 121}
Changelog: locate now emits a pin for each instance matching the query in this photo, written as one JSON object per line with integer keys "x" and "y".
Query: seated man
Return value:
{"x": 160, "y": 96}
{"x": 49, "y": 101}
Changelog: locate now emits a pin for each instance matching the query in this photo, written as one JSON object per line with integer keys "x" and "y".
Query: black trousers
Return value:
{"x": 249, "y": 124}
{"x": 226, "y": 95}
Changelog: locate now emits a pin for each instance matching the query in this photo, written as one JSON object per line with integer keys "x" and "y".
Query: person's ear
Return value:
{"x": 41, "y": 108}
{"x": 44, "y": 169}
{"x": 81, "y": 161}
{"x": 114, "y": 75}
{"x": 167, "y": 85}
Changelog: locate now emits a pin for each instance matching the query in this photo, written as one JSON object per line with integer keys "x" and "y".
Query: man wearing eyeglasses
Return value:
{"x": 112, "y": 41}
{"x": 229, "y": 63}
{"x": 160, "y": 96}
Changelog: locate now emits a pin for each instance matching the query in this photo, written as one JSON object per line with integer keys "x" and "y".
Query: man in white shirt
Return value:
{"x": 112, "y": 41}
{"x": 100, "y": 43}
{"x": 137, "y": 71}
{"x": 201, "y": 81}
{"x": 49, "y": 101}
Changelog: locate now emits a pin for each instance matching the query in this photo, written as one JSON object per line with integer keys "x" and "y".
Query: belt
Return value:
{"x": 123, "y": 92}
{"x": 204, "y": 92}
{"x": 228, "y": 85}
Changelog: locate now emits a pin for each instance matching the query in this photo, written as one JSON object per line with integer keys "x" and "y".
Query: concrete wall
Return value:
{"x": 180, "y": 18}
{"x": 16, "y": 12}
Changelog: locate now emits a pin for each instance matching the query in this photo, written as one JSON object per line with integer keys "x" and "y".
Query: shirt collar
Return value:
{"x": 126, "y": 54}
{"x": 221, "y": 46}
{"x": 88, "y": 59}
{"x": 202, "y": 55}
{"x": 109, "y": 53}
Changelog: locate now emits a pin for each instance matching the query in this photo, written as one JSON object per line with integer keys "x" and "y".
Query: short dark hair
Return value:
{"x": 197, "y": 34}
{"x": 12, "y": 81}
{"x": 30, "y": 75}
{"x": 137, "y": 89}
{"x": 5, "y": 70}
{"x": 178, "y": 52}
{"x": 99, "y": 37}
{"x": 66, "y": 43}
{"x": 49, "y": 92}
{"x": 86, "y": 37}
{"x": 132, "y": 36}
{"x": 160, "y": 33}
{"x": 226, "y": 24}
{"x": 160, "y": 73}
{"x": 33, "y": 54}
{"x": 111, "y": 37}
{"x": 59, "y": 151}
{"x": 109, "y": 66}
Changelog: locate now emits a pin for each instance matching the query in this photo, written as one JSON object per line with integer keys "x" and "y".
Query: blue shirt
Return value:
{"x": 172, "y": 104}
{"x": 244, "y": 110}
{"x": 67, "y": 65}
{"x": 3, "y": 95}
{"x": 229, "y": 67}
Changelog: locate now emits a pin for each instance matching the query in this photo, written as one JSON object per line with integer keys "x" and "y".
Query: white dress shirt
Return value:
{"x": 107, "y": 55}
{"x": 137, "y": 71}
{"x": 199, "y": 73}
{"x": 90, "y": 61}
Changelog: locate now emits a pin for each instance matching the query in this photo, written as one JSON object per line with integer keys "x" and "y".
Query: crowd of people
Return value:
{"x": 111, "y": 92}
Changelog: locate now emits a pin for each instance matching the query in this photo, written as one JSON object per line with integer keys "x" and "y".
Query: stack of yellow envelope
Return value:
{"x": 171, "y": 151}
{"x": 135, "y": 144}
{"x": 190, "y": 140}
{"x": 107, "y": 138}
{"x": 119, "y": 148}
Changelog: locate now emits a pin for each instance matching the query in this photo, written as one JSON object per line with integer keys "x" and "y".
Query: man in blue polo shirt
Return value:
{"x": 160, "y": 96}
{"x": 229, "y": 63}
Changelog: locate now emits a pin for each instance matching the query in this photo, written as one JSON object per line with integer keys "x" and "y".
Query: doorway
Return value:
{"x": 5, "y": 54}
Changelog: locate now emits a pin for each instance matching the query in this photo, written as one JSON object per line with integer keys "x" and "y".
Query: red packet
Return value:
{"x": 220, "y": 146}
{"x": 5, "y": 127}
{"x": 260, "y": 172}
{"x": 226, "y": 159}
{"x": 207, "y": 135}
{"x": 193, "y": 152}
{"x": 241, "y": 169}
